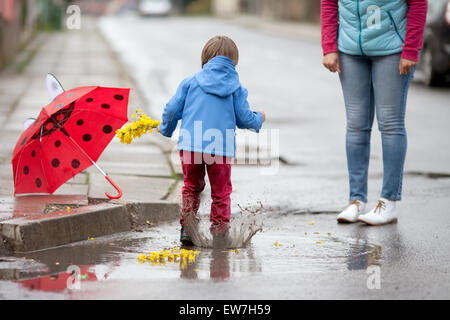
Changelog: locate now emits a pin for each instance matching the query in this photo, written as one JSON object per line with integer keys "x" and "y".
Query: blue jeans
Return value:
{"x": 374, "y": 85}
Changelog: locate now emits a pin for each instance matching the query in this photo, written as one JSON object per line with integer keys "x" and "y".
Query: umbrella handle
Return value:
{"x": 115, "y": 186}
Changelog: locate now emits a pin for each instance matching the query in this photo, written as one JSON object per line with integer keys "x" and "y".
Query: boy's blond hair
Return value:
{"x": 220, "y": 46}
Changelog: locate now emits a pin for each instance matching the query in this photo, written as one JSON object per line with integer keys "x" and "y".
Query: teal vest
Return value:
{"x": 372, "y": 27}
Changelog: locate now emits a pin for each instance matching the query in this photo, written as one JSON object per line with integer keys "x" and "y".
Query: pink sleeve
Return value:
{"x": 417, "y": 15}
{"x": 329, "y": 17}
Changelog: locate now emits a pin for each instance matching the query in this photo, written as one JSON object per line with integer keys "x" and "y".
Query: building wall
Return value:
{"x": 17, "y": 21}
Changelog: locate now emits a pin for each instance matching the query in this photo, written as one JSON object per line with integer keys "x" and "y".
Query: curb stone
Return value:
{"x": 60, "y": 228}
{"x": 4, "y": 250}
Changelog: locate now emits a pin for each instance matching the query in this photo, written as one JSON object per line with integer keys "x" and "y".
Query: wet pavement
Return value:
{"x": 290, "y": 246}
{"x": 302, "y": 252}
{"x": 297, "y": 255}
{"x": 17, "y": 207}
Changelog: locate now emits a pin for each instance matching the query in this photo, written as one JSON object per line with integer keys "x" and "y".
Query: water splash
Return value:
{"x": 242, "y": 228}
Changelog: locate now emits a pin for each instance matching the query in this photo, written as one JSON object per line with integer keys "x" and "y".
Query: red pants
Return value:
{"x": 219, "y": 174}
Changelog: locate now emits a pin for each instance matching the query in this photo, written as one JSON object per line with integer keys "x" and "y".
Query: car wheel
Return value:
{"x": 431, "y": 77}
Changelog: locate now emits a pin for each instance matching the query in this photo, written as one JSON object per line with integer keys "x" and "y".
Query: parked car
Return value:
{"x": 154, "y": 7}
{"x": 435, "y": 55}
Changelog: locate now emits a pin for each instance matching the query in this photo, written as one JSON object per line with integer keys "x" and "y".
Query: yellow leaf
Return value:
{"x": 277, "y": 244}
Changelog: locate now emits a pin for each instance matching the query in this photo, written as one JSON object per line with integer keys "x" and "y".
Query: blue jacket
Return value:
{"x": 210, "y": 104}
{"x": 372, "y": 27}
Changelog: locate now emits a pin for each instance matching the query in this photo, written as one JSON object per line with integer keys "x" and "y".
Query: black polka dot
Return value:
{"x": 24, "y": 140}
{"x": 107, "y": 129}
{"x": 87, "y": 137}
{"x": 55, "y": 163}
{"x": 80, "y": 122}
{"x": 26, "y": 170}
{"x": 33, "y": 153}
{"x": 38, "y": 182}
{"x": 57, "y": 143}
{"x": 89, "y": 100}
{"x": 118, "y": 97}
{"x": 105, "y": 106}
{"x": 75, "y": 163}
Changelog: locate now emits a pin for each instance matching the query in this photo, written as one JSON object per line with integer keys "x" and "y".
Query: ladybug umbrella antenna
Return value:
{"x": 28, "y": 122}
{"x": 54, "y": 87}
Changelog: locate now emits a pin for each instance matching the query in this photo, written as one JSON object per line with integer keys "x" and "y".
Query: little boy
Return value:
{"x": 210, "y": 104}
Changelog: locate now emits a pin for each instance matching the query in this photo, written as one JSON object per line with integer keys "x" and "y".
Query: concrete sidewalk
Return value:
{"x": 77, "y": 58}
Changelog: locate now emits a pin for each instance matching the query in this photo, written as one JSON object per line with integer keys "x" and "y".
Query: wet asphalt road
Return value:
{"x": 317, "y": 257}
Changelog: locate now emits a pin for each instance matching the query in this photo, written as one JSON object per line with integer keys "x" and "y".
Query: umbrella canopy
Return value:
{"x": 69, "y": 134}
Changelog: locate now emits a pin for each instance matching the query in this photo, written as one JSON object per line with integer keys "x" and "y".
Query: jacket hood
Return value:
{"x": 219, "y": 77}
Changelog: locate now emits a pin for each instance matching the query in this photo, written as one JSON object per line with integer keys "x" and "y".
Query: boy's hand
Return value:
{"x": 331, "y": 62}
{"x": 263, "y": 114}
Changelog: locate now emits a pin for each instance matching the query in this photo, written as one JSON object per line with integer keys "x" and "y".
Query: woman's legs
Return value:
{"x": 356, "y": 81}
{"x": 390, "y": 92}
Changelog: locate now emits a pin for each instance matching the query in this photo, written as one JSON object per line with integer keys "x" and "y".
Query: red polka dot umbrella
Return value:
{"x": 68, "y": 136}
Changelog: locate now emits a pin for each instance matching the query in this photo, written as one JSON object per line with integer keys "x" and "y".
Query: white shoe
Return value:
{"x": 352, "y": 212}
{"x": 385, "y": 212}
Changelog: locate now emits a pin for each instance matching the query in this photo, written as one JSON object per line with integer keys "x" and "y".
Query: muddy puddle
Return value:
{"x": 285, "y": 245}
